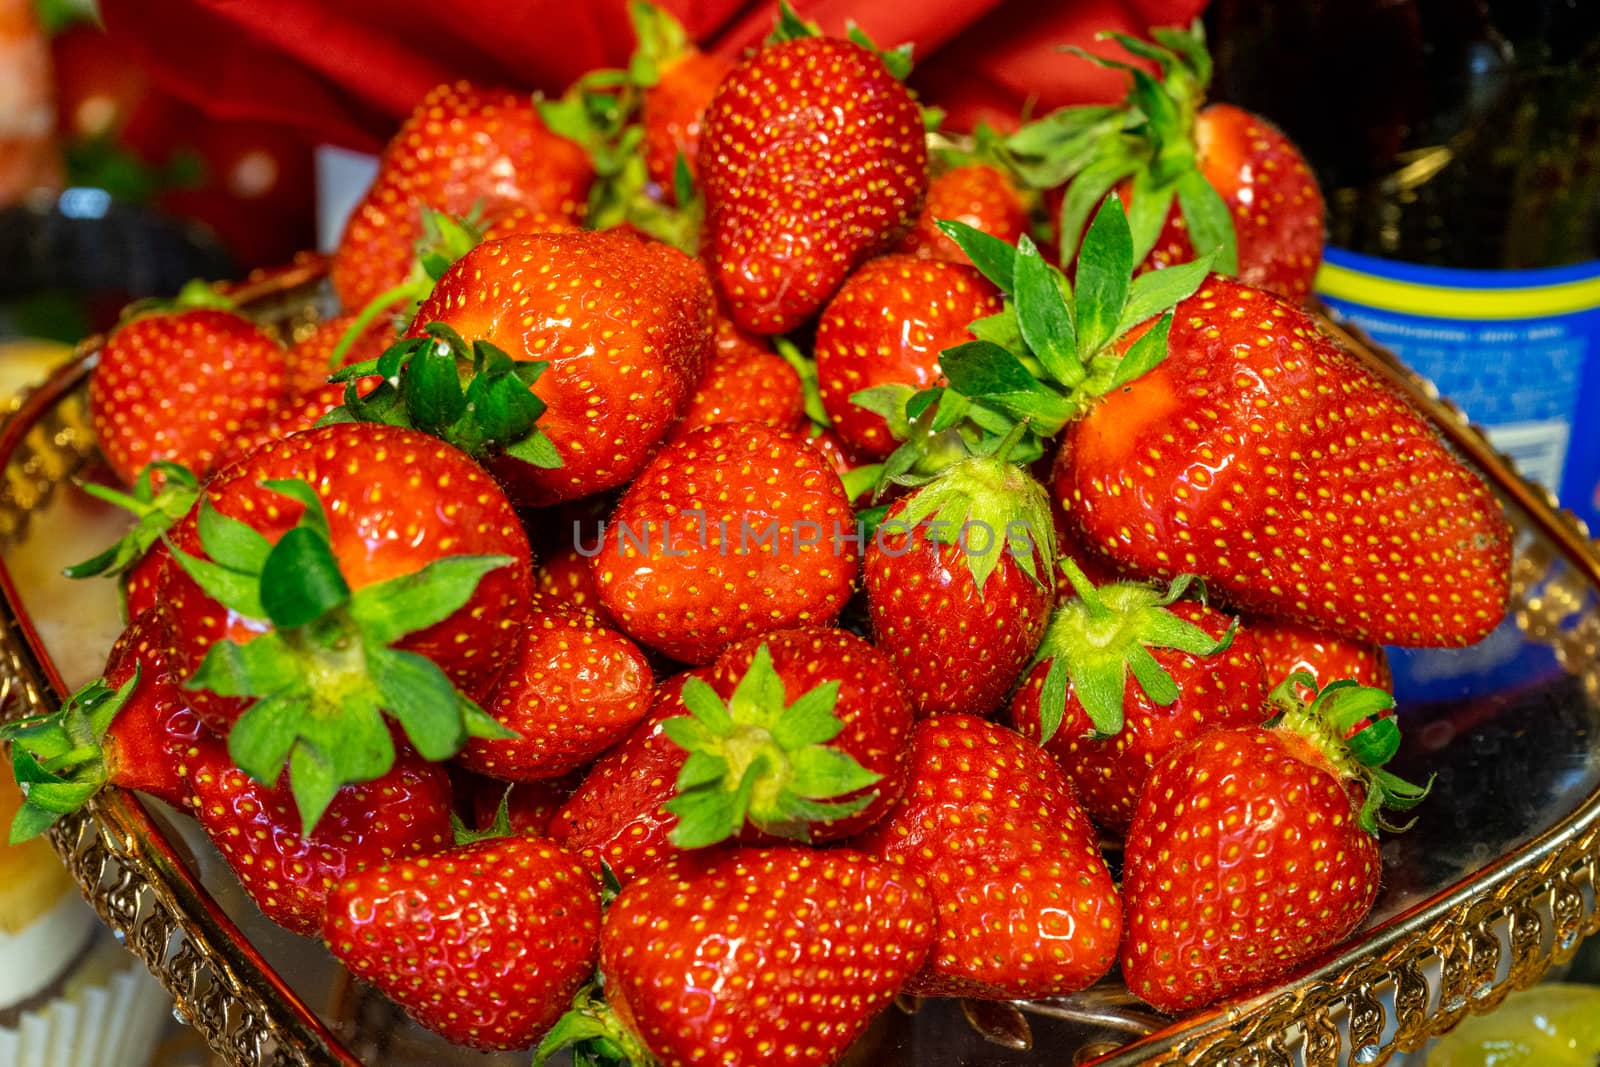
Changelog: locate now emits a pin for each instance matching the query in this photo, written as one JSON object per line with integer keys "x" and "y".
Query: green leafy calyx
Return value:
{"x": 155, "y": 510}
{"x": 595, "y": 1034}
{"x": 322, "y": 673}
{"x": 59, "y": 759}
{"x": 757, "y": 758}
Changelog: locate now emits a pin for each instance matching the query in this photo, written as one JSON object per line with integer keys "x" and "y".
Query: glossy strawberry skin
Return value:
{"x": 778, "y": 956}
{"x": 1269, "y": 461}
{"x": 1228, "y": 689}
{"x": 1272, "y": 195}
{"x": 155, "y": 736}
{"x": 564, "y": 582}
{"x": 625, "y": 325}
{"x": 812, "y": 160}
{"x": 887, "y": 325}
{"x": 686, "y": 588}
{"x": 745, "y": 381}
{"x": 1287, "y": 647}
{"x": 310, "y": 357}
{"x": 673, "y": 114}
{"x": 529, "y": 805}
{"x": 484, "y": 944}
{"x": 872, "y": 706}
{"x": 616, "y": 816}
{"x": 955, "y": 650}
{"x": 1243, "y": 862}
{"x": 177, "y": 386}
{"x": 1026, "y": 905}
{"x": 463, "y": 146}
{"x": 977, "y": 194}
{"x": 572, "y": 688}
{"x": 288, "y": 875}
{"x": 381, "y": 487}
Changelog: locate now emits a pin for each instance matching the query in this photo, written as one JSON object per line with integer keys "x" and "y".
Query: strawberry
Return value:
{"x": 129, "y": 729}
{"x": 529, "y": 805}
{"x": 884, "y": 330}
{"x": 1231, "y": 439}
{"x": 745, "y": 381}
{"x": 571, "y": 689}
{"x": 485, "y": 943}
{"x": 731, "y": 531}
{"x": 1255, "y": 850}
{"x": 176, "y": 385}
{"x": 1194, "y": 180}
{"x": 462, "y": 146}
{"x": 609, "y": 340}
{"x": 958, "y": 584}
{"x": 565, "y": 583}
{"x": 780, "y": 955}
{"x": 330, "y": 541}
{"x": 812, "y": 159}
{"x": 311, "y": 357}
{"x": 617, "y": 817}
{"x": 799, "y": 734}
{"x": 678, "y": 82}
{"x": 289, "y": 872}
{"x": 979, "y": 194}
{"x": 1136, "y": 673}
{"x": 1026, "y": 905}
{"x": 1288, "y": 647}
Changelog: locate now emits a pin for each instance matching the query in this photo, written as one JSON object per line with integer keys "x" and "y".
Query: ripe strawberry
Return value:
{"x": 571, "y": 689}
{"x": 799, "y": 734}
{"x": 464, "y": 145}
{"x": 1026, "y": 905}
{"x": 884, "y": 330}
{"x": 732, "y": 531}
{"x": 334, "y": 539}
{"x": 1192, "y": 179}
{"x": 1267, "y": 460}
{"x": 745, "y": 381}
{"x": 485, "y": 943}
{"x": 310, "y": 359}
{"x": 780, "y": 955}
{"x": 958, "y": 584}
{"x": 812, "y": 160}
{"x": 609, "y": 332}
{"x": 565, "y": 583}
{"x": 978, "y": 194}
{"x": 529, "y": 805}
{"x": 1137, "y": 674}
{"x": 129, "y": 729}
{"x": 1254, "y": 850}
{"x": 618, "y": 816}
{"x": 1288, "y": 647}
{"x": 175, "y": 386}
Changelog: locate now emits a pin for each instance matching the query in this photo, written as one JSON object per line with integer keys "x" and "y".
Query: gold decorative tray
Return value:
{"x": 1497, "y": 881}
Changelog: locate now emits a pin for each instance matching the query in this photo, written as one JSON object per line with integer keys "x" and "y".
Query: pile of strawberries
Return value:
{"x": 733, "y": 563}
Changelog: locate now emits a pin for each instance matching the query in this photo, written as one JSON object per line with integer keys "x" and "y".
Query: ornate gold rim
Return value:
{"x": 1411, "y": 978}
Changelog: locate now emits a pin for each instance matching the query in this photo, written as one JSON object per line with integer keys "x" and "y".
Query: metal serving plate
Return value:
{"x": 1496, "y": 882}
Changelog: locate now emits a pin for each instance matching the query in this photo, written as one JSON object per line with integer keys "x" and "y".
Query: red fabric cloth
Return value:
{"x": 347, "y": 71}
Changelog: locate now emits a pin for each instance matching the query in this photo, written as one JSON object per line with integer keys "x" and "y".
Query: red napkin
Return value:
{"x": 347, "y": 71}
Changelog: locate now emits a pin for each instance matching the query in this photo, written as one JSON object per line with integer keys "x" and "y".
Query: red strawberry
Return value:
{"x": 1288, "y": 647}
{"x": 618, "y": 815}
{"x": 744, "y": 382}
{"x": 529, "y": 805}
{"x": 289, "y": 873}
{"x": 623, "y": 327}
{"x": 778, "y": 956}
{"x": 332, "y": 539}
{"x": 572, "y": 688}
{"x": 311, "y": 357}
{"x": 1267, "y": 460}
{"x": 1026, "y": 906}
{"x": 732, "y": 531}
{"x": 1253, "y": 850}
{"x": 672, "y": 112}
{"x": 958, "y": 584}
{"x": 978, "y": 194}
{"x": 812, "y": 160}
{"x": 799, "y": 734}
{"x": 564, "y": 581}
{"x": 129, "y": 729}
{"x": 485, "y": 943}
{"x": 886, "y": 327}
{"x": 463, "y": 146}
{"x": 176, "y": 386}
{"x": 1138, "y": 674}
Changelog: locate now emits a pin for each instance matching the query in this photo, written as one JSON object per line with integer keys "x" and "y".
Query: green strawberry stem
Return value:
{"x": 594, "y": 1032}
{"x": 1354, "y": 727}
{"x": 791, "y": 27}
{"x": 59, "y": 759}
{"x": 196, "y": 293}
{"x": 155, "y": 509}
{"x": 756, "y": 758}
{"x": 1098, "y": 639}
{"x": 322, "y": 673}
{"x": 473, "y": 396}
